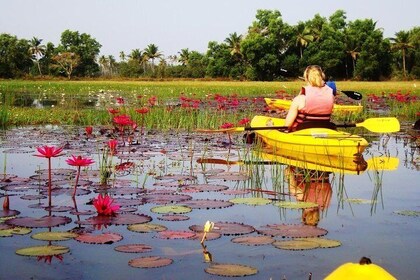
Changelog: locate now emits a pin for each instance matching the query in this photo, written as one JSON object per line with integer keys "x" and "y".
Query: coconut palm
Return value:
{"x": 122, "y": 55}
{"x": 111, "y": 63}
{"x": 304, "y": 37}
{"x": 184, "y": 56}
{"x": 103, "y": 62}
{"x": 37, "y": 51}
{"x": 136, "y": 54}
{"x": 234, "y": 43}
{"x": 402, "y": 43}
{"x": 152, "y": 52}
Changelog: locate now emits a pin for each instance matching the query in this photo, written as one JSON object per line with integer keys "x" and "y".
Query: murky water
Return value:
{"x": 363, "y": 213}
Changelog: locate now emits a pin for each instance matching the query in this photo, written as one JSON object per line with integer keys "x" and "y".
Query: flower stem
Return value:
{"x": 77, "y": 181}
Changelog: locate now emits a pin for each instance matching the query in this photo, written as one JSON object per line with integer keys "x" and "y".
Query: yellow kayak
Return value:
{"x": 310, "y": 142}
{"x": 284, "y": 104}
{"x": 351, "y": 271}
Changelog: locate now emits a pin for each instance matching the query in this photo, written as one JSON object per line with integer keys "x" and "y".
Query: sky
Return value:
{"x": 172, "y": 25}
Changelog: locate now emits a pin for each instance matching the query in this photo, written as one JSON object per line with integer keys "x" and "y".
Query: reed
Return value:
{"x": 179, "y": 104}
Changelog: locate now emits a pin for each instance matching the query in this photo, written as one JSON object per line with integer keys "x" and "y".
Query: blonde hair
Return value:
{"x": 314, "y": 76}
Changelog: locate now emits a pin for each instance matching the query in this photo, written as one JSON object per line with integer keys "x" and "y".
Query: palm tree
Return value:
{"x": 136, "y": 54}
{"x": 234, "y": 43}
{"x": 152, "y": 52}
{"x": 353, "y": 53}
{"x": 304, "y": 37}
{"x": 184, "y": 56}
{"x": 111, "y": 63}
{"x": 37, "y": 51}
{"x": 122, "y": 55}
{"x": 103, "y": 62}
{"x": 402, "y": 43}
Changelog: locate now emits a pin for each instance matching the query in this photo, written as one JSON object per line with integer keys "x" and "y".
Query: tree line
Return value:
{"x": 270, "y": 50}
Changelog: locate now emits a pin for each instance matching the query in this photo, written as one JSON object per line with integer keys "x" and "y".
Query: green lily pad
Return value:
{"x": 295, "y": 204}
{"x": 322, "y": 242}
{"x": 15, "y": 230}
{"x": 231, "y": 270}
{"x": 251, "y": 200}
{"x": 296, "y": 244}
{"x": 176, "y": 209}
{"x": 54, "y": 235}
{"x": 45, "y": 250}
{"x": 143, "y": 228}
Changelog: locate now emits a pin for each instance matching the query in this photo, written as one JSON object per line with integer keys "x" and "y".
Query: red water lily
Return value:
{"x": 226, "y": 125}
{"x": 142, "y": 110}
{"x": 49, "y": 152}
{"x": 120, "y": 100}
{"x": 78, "y": 161}
{"x": 113, "y": 111}
{"x": 244, "y": 121}
{"x": 112, "y": 145}
{"x": 89, "y": 130}
{"x": 48, "y": 259}
{"x": 6, "y": 203}
{"x": 123, "y": 120}
{"x": 105, "y": 205}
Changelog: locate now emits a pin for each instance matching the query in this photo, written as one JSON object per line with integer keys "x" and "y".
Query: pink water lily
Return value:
{"x": 105, "y": 205}
{"x": 78, "y": 161}
{"x": 49, "y": 152}
{"x": 112, "y": 145}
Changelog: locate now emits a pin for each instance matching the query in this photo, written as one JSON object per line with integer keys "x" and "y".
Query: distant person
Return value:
{"x": 314, "y": 104}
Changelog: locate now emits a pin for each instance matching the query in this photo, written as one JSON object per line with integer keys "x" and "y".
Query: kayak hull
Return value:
{"x": 283, "y": 104}
{"x": 307, "y": 143}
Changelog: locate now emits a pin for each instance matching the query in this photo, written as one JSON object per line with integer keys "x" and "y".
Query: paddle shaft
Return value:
{"x": 352, "y": 94}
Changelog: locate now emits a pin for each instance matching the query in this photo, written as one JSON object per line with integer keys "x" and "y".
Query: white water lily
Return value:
{"x": 208, "y": 226}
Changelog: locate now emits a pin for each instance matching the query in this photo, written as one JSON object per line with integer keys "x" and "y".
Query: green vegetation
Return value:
{"x": 271, "y": 50}
{"x": 179, "y": 104}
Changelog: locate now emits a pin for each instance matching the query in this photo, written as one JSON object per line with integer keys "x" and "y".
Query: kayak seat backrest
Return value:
{"x": 316, "y": 124}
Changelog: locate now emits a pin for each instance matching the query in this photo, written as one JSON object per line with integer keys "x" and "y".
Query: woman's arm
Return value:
{"x": 293, "y": 110}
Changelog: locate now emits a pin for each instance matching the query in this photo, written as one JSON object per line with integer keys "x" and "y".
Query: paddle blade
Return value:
{"x": 352, "y": 94}
{"x": 381, "y": 125}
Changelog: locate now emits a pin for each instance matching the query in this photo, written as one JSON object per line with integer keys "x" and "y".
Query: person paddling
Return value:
{"x": 314, "y": 104}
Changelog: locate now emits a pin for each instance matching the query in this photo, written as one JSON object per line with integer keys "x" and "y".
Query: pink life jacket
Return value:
{"x": 319, "y": 102}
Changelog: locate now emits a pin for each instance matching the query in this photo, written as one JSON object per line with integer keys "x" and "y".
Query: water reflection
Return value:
{"x": 310, "y": 186}
{"x": 143, "y": 171}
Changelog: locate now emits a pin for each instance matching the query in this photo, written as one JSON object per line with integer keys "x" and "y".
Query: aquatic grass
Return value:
{"x": 177, "y": 104}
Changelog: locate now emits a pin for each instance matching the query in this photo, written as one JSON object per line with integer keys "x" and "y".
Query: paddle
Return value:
{"x": 234, "y": 162}
{"x": 377, "y": 125}
{"x": 350, "y": 93}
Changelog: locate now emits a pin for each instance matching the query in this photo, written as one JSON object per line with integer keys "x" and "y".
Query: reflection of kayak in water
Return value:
{"x": 309, "y": 142}
{"x": 284, "y": 104}
{"x": 355, "y": 165}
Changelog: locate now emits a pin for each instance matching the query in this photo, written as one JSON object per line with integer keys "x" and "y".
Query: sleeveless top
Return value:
{"x": 319, "y": 102}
